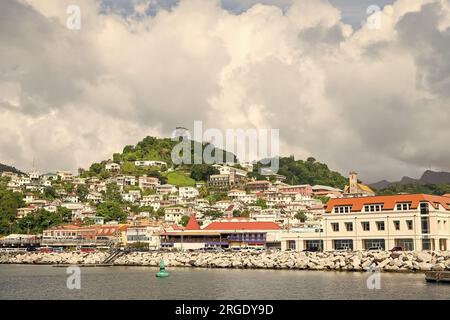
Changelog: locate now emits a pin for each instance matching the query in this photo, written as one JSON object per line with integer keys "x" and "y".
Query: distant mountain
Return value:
{"x": 4, "y": 168}
{"x": 380, "y": 184}
{"x": 428, "y": 178}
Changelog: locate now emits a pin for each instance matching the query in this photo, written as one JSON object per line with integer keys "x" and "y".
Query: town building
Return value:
{"x": 226, "y": 234}
{"x": 356, "y": 189}
{"x": 112, "y": 166}
{"x": 258, "y": 186}
{"x": 326, "y": 191}
{"x": 188, "y": 192}
{"x": 150, "y": 163}
{"x": 148, "y": 182}
{"x": 411, "y": 221}
{"x": 226, "y": 181}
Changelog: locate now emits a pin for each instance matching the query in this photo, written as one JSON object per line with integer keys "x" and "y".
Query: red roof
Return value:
{"x": 192, "y": 224}
{"x": 389, "y": 202}
{"x": 254, "y": 225}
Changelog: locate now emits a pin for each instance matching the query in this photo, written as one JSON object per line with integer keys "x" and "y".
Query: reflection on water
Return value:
{"x": 47, "y": 282}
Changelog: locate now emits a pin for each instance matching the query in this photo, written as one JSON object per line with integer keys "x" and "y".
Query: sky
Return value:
{"x": 372, "y": 97}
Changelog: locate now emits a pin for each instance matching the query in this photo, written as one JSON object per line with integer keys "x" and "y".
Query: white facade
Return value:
{"x": 188, "y": 192}
{"x": 413, "y": 222}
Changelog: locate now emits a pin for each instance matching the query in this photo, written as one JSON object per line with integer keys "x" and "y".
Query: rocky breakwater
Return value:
{"x": 348, "y": 261}
{"x": 339, "y": 261}
{"x": 75, "y": 258}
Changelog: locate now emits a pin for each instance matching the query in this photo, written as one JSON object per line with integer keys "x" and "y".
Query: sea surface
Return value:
{"x": 49, "y": 282}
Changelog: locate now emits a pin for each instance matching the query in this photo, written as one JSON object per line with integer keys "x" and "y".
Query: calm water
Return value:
{"x": 47, "y": 282}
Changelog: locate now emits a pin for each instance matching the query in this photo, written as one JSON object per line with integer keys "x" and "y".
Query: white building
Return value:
{"x": 166, "y": 189}
{"x": 188, "y": 192}
{"x": 148, "y": 182}
{"x": 144, "y": 234}
{"x": 112, "y": 166}
{"x": 174, "y": 214}
{"x": 150, "y": 163}
{"x": 132, "y": 196}
{"x": 413, "y": 222}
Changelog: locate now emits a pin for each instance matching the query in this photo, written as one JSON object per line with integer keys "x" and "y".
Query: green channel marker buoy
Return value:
{"x": 162, "y": 270}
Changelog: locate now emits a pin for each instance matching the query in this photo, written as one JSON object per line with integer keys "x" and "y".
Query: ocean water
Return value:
{"x": 48, "y": 282}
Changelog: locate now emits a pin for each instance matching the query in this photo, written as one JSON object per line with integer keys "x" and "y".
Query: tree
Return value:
{"x": 96, "y": 168}
{"x": 184, "y": 220}
{"x": 323, "y": 199}
{"x": 82, "y": 192}
{"x": 113, "y": 193}
{"x": 64, "y": 214}
{"x": 50, "y": 193}
{"x": 9, "y": 203}
{"x": 201, "y": 172}
{"x": 38, "y": 221}
{"x": 111, "y": 210}
{"x": 301, "y": 216}
{"x": 160, "y": 213}
{"x": 261, "y": 203}
{"x": 203, "y": 192}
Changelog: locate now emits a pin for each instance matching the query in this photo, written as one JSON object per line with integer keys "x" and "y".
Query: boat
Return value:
{"x": 162, "y": 270}
{"x": 437, "y": 276}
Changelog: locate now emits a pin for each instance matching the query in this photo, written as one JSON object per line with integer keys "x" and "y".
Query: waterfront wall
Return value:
{"x": 348, "y": 261}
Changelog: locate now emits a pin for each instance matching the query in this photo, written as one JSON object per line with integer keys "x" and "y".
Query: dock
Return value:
{"x": 437, "y": 276}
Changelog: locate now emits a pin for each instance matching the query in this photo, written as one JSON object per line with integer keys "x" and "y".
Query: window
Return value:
{"x": 380, "y": 225}
{"x": 397, "y": 225}
{"x": 349, "y": 226}
{"x": 335, "y": 226}
{"x": 291, "y": 244}
{"x": 365, "y": 226}
{"x": 409, "y": 224}
{"x": 403, "y": 206}
{"x": 373, "y": 208}
{"x": 343, "y": 209}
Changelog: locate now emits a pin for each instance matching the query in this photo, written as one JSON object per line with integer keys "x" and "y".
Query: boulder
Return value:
{"x": 424, "y": 266}
{"x": 424, "y": 257}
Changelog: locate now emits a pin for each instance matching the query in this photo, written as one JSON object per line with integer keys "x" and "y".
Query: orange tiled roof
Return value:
{"x": 389, "y": 202}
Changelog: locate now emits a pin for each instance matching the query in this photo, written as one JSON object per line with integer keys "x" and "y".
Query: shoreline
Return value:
{"x": 354, "y": 261}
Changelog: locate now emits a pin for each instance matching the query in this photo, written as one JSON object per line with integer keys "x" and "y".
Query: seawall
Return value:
{"x": 339, "y": 261}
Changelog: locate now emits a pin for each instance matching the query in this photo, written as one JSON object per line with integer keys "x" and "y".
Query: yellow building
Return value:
{"x": 356, "y": 189}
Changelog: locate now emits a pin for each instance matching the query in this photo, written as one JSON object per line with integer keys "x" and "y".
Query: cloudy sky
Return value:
{"x": 375, "y": 100}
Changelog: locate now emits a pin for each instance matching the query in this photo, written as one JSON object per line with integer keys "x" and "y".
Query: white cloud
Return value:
{"x": 371, "y": 100}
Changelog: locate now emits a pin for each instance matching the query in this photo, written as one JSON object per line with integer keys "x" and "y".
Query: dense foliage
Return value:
{"x": 9, "y": 203}
{"x": 111, "y": 210}
{"x": 307, "y": 172}
{"x": 5, "y": 168}
{"x": 201, "y": 172}
{"x": 151, "y": 148}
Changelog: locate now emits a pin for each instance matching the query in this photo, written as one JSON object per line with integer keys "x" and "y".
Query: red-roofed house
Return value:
{"x": 224, "y": 234}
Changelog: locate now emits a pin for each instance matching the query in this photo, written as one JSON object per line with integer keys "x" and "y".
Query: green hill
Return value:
{"x": 306, "y": 172}
{"x": 5, "y": 168}
{"x": 158, "y": 149}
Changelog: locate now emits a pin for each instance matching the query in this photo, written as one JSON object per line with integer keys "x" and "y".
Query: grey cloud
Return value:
{"x": 349, "y": 99}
